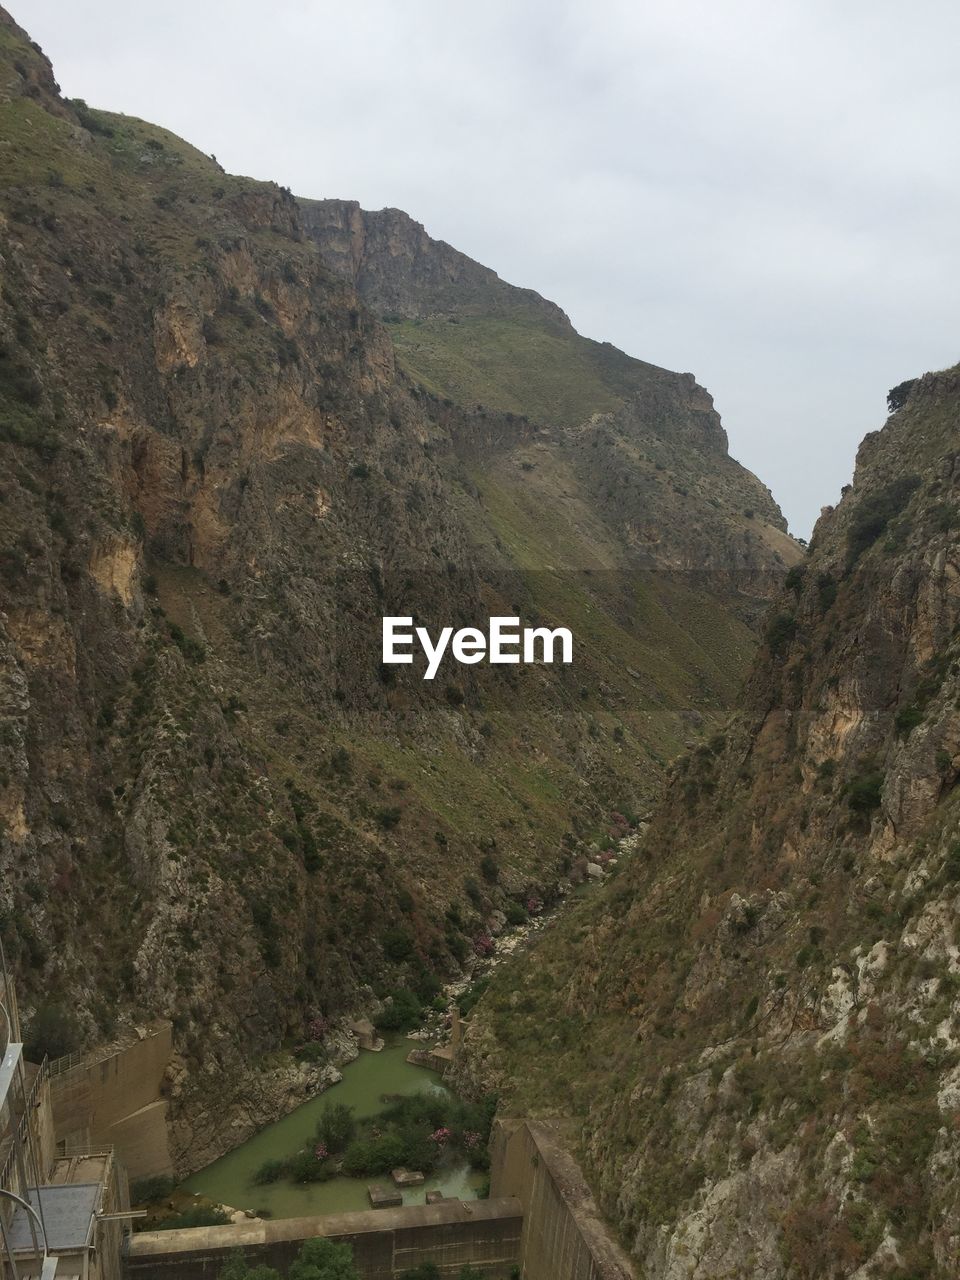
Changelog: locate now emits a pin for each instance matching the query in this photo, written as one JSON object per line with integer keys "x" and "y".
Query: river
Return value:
{"x": 229, "y": 1180}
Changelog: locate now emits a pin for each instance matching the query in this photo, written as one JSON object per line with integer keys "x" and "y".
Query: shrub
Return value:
{"x": 826, "y": 591}
{"x": 336, "y": 1127}
{"x": 473, "y": 891}
{"x": 454, "y": 695}
{"x": 270, "y": 1171}
{"x": 197, "y": 1216}
{"x": 146, "y": 1190}
{"x": 874, "y": 514}
{"x": 368, "y": 1157}
{"x": 794, "y": 579}
{"x": 318, "y": 1259}
{"x": 321, "y": 1259}
{"x": 863, "y": 792}
{"x": 907, "y": 719}
{"x": 489, "y": 869}
{"x": 780, "y": 632}
{"x": 52, "y": 1033}
{"x": 398, "y": 945}
{"x": 308, "y": 1166}
{"x": 402, "y": 1013}
{"x": 389, "y": 817}
{"x": 898, "y": 396}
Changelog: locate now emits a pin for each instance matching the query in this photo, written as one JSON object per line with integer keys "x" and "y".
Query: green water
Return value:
{"x": 229, "y": 1180}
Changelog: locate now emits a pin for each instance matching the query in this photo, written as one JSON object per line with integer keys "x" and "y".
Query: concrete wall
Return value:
{"x": 386, "y": 1242}
{"x": 564, "y": 1237}
{"x": 116, "y": 1100}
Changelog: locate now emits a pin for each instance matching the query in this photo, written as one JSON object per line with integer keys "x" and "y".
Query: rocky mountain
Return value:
{"x": 755, "y": 1029}
{"x": 220, "y": 469}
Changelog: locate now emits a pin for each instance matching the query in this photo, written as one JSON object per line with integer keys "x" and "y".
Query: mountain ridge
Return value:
{"x": 218, "y": 475}
{"x": 755, "y": 1026}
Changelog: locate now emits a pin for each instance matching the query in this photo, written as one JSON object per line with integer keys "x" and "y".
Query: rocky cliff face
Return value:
{"x": 217, "y": 476}
{"x": 759, "y": 1026}
{"x": 400, "y": 270}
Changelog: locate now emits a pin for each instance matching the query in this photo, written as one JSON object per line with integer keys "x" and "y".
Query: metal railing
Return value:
{"x": 22, "y": 1133}
{"x": 67, "y": 1062}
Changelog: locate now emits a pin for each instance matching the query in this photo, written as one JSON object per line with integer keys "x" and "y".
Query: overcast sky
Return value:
{"x": 764, "y": 192}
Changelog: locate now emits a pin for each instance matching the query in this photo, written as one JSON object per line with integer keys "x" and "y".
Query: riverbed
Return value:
{"x": 229, "y": 1180}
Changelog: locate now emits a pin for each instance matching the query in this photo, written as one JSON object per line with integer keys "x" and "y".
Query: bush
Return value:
{"x": 875, "y": 512}
{"x": 321, "y": 1259}
{"x": 307, "y": 1166}
{"x": 454, "y": 695}
{"x": 147, "y": 1190}
{"x": 398, "y": 945}
{"x": 489, "y": 869}
{"x": 401, "y": 1014}
{"x": 198, "y": 1216}
{"x": 52, "y": 1033}
{"x": 368, "y": 1157}
{"x": 898, "y": 396}
{"x": 907, "y": 719}
{"x": 318, "y": 1259}
{"x": 826, "y": 591}
{"x": 336, "y": 1127}
{"x": 516, "y": 914}
{"x": 794, "y": 579}
{"x": 270, "y": 1171}
{"x": 863, "y": 792}
{"x": 780, "y": 632}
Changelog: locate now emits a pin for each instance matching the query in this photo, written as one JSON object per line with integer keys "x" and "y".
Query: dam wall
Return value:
{"x": 115, "y": 1099}
{"x": 386, "y": 1242}
{"x": 564, "y": 1237}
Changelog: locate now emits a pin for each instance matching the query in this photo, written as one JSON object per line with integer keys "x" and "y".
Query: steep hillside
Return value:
{"x": 755, "y": 1029}
{"x": 217, "y": 805}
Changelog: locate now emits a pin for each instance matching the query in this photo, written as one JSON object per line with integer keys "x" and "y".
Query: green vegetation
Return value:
{"x": 195, "y": 1216}
{"x": 318, "y": 1259}
{"x": 864, "y": 792}
{"x": 52, "y": 1032}
{"x": 874, "y": 513}
{"x": 516, "y": 362}
{"x": 148, "y": 1190}
{"x": 781, "y": 630}
{"x": 417, "y": 1132}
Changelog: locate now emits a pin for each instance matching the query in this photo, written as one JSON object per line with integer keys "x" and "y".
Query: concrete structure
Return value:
{"x": 115, "y": 1098}
{"x": 382, "y": 1197}
{"x": 385, "y": 1242}
{"x": 58, "y": 1217}
{"x": 564, "y": 1237}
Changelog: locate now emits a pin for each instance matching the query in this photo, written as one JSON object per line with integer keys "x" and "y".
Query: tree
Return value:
{"x": 322, "y": 1259}
{"x": 318, "y": 1259}
{"x": 898, "y": 396}
{"x": 336, "y": 1127}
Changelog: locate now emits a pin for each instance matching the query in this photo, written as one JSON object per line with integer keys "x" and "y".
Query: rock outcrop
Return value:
{"x": 758, "y": 1022}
